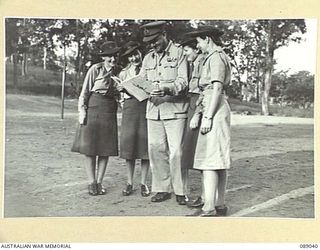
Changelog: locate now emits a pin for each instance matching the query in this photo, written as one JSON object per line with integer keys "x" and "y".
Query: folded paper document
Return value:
{"x": 137, "y": 86}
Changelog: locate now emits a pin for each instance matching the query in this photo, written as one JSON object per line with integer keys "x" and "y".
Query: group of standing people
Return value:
{"x": 184, "y": 124}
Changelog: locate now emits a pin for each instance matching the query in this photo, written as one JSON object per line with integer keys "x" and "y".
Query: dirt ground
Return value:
{"x": 272, "y": 172}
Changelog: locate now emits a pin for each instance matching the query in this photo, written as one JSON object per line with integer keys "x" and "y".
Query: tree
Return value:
{"x": 276, "y": 33}
{"x": 83, "y": 33}
{"x": 251, "y": 44}
{"x": 300, "y": 88}
{"x": 12, "y": 38}
{"x": 41, "y": 40}
{"x": 242, "y": 43}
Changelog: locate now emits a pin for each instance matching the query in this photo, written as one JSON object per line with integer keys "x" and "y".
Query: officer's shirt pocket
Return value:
{"x": 151, "y": 72}
{"x": 170, "y": 71}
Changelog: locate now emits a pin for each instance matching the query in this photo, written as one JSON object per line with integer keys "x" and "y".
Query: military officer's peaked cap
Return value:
{"x": 206, "y": 30}
{"x": 152, "y": 30}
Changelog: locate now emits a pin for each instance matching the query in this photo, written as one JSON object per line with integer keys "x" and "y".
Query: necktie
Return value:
{"x": 137, "y": 70}
{"x": 190, "y": 70}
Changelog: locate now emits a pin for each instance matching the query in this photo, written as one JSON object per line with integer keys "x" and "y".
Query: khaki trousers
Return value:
{"x": 165, "y": 141}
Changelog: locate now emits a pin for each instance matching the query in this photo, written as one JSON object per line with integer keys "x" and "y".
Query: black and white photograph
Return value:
{"x": 159, "y": 117}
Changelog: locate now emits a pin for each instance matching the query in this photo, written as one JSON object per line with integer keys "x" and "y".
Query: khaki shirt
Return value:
{"x": 216, "y": 68}
{"x": 127, "y": 73}
{"x": 98, "y": 80}
{"x": 168, "y": 70}
{"x": 196, "y": 73}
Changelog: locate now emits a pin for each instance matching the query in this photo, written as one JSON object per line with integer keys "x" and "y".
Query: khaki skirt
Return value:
{"x": 99, "y": 135}
{"x": 213, "y": 149}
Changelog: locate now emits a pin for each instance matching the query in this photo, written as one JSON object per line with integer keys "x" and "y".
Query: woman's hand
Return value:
{"x": 118, "y": 82}
{"x": 206, "y": 125}
{"x": 82, "y": 116}
{"x": 194, "y": 122}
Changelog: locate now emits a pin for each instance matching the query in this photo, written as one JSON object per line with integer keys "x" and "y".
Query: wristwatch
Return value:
{"x": 209, "y": 118}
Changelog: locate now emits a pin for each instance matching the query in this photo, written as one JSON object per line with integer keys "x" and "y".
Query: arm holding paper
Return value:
{"x": 168, "y": 84}
{"x": 180, "y": 84}
{"x": 136, "y": 86}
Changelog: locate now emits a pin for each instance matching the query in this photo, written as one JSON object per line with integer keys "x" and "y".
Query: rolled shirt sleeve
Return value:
{"x": 86, "y": 87}
{"x": 217, "y": 69}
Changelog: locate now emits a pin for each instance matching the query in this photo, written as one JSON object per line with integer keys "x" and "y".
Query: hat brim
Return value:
{"x": 130, "y": 50}
{"x": 153, "y": 24}
{"x": 198, "y": 33}
{"x": 187, "y": 42}
{"x": 110, "y": 52}
{"x": 147, "y": 39}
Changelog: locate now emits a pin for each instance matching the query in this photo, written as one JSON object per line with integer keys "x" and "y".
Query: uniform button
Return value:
{"x": 159, "y": 73}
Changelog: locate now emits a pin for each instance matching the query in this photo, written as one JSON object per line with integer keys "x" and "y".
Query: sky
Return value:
{"x": 299, "y": 56}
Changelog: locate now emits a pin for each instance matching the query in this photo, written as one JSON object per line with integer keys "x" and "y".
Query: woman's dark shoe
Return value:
{"x": 221, "y": 210}
{"x": 128, "y": 190}
{"x": 161, "y": 196}
{"x": 144, "y": 190}
{"x": 195, "y": 203}
{"x": 181, "y": 199}
{"x": 93, "y": 189}
{"x": 201, "y": 213}
{"x": 101, "y": 189}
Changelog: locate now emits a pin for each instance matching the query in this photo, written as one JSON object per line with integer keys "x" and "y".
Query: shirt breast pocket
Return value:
{"x": 170, "y": 71}
{"x": 151, "y": 73}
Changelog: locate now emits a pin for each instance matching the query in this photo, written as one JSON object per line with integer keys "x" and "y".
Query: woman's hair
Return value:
{"x": 192, "y": 44}
{"x": 216, "y": 40}
{"x": 124, "y": 60}
{"x": 136, "y": 51}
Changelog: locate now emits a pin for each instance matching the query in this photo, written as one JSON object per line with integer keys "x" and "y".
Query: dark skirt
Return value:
{"x": 99, "y": 135}
{"x": 191, "y": 136}
{"x": 134, "y": 135}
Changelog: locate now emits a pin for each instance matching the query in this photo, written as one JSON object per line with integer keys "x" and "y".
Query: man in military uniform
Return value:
{"x": 166, "y": 67}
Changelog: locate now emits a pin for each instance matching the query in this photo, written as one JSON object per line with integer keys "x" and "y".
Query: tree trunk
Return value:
{"x": 258, "y": 86}
{"x": 44, "y": 59}
{"x": 77, "y": 67}
{"x": 78, "y": 55}
{"x": 258, "y": 92}
{"x": 24, "y": 55}
{"x": 63, "y": 80}
{"x": 264, "y": 103}
{"x": 78, "y": 74}
{"x": 15, "y": 69}
{"x": 266, "y": 91}
{"x": 80, "y": 60}
{"x": 24, "y": 65}
{"x": 268, "y": 71}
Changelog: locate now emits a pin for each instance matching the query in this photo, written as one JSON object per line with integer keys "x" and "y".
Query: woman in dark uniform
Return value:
{"x": 195, "y": 60}
{"x": 97, "y": 135}
{"x": 133, "y": 138}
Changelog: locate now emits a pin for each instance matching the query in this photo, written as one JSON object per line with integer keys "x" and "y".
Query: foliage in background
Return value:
{"x": 53, "y": 43}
